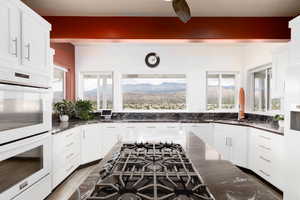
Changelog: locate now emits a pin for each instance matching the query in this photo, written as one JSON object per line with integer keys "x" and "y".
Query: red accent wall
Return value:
{"x": 198, "y": 28}
{"x": 65, "y": 57}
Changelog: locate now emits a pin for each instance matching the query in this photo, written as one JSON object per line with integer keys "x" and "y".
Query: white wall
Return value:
{"x": 190, "y": 59}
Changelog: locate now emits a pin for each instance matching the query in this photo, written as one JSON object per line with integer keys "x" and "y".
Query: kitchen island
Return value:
{"x": 224, "y": 180}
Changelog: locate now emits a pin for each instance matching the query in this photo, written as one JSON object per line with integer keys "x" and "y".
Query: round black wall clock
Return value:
{"x": 152, "y": 60}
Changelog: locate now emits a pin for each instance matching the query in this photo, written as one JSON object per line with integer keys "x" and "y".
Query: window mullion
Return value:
{"x": 220, "y": 93}
{"x": 98, "y": 92}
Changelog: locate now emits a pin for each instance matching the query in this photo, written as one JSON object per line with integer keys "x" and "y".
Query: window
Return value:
{"x": 59, "y": 84}
{"x": 98, "y": 88}
{"x": 261, "y": 90}
{"x": 154, "y": 92}
{"x": 221, "y": 91}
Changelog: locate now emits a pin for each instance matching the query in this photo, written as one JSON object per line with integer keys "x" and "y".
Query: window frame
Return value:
{"x": 153, "y": 110}
{"x": 65, "y": 71}
{"x": 269, "y": 98}
{"x": 98, "y": 74}
{"x": 220, "y": 73}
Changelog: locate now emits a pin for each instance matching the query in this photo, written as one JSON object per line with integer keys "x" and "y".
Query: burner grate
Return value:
{"x": 145, "y": 171}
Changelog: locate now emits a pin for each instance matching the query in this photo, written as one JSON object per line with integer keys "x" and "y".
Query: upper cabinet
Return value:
{"x": 280, "y": 64}
{"x": 25, "y": 45}
{"x": 9, "y": 34}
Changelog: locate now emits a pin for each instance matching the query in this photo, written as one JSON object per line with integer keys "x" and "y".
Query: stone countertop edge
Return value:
{"x": 58, "y": 127}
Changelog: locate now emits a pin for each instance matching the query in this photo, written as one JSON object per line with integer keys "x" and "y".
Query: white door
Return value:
{"x": 9, "y": 35}
{"x": 34, "y": 45}
{"x": 239, "y": 145}
{"x": 203, "y": 131}
{"x": 90, "y": 143}
{"x": 109, "y": 136}
{"x": 221, "y": 141}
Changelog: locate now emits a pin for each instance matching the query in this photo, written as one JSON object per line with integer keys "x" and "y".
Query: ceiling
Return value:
{"x": 163, "y": 8}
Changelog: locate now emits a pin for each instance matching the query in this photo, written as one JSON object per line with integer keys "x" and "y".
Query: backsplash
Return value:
{"x": 172, "y": 116}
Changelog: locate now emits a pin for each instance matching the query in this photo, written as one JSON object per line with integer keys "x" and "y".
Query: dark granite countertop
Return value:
{"x": 225, "y": 181}
{"x": 59, "y": 127}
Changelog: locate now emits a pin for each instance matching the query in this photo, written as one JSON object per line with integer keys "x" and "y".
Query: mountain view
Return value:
{"x": 146, "y": 96}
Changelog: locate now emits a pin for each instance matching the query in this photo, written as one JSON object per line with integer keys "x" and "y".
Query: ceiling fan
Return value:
{"x": 182, "y": 10}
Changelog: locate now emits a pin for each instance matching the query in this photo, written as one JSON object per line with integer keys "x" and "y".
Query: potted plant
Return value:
{"x": 65, "y": 110}
{"x": 83, "y": 109}
{"x": 280, "y": 120}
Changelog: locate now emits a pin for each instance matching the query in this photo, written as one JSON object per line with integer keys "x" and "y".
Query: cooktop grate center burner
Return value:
{"x": 150, "y": 171}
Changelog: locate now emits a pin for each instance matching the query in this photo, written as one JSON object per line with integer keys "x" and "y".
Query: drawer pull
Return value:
{"x": 264, "y": 159}
{"x": 69, "y": 135}
{"x": 171, "y": 127}
{"x": 70, "y": 168}
{"x": 68, "y": 145}
{"x": 111, "y": 127}
{"x": 264, "y": 173}
{"x": 70, "y": 155}
{"x": 264, "y": 147}
{"x": 130, "y": 127}
{"x": 151, "y": 127}
{"x": 20, "y": 75}
{"x": 264, "y": 137}
{"x": 23, "y": 185}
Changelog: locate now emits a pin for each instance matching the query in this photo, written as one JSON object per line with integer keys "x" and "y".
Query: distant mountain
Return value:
{"x": 166, "y": 87}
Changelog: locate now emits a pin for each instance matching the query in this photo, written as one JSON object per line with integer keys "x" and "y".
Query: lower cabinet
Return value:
{"x": 203, "y": 131}
{"x": 266, "y": 156}
{"x": 232, "y": 143}
{"x": 97, "y": 140}
{"x": 66, "y": 154}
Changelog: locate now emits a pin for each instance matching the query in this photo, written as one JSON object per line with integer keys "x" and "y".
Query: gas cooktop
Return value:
{"x": 150, "y": 171}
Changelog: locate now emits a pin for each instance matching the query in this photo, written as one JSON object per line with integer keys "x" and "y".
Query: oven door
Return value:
{"x": 24, "y": 163}
{"x": 24, "y": 111}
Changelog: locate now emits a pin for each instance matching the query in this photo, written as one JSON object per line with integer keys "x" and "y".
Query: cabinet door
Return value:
{"x": 238, "y": 143}
{"x": 35, "y": 44}
{"x": 90, "y": 143}
{"x": 129, "y": 133}
{"x": 109, "y": 136}
{"x": 9, "y": 35}
{"x": 203, "y": 131}
{"x": 221, "y": 141}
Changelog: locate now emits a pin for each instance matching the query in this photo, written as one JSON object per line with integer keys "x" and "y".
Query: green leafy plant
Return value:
{"x": 64, "y": 107}
{"x": 279, "y": 117}
{"x": 83, "y": 109}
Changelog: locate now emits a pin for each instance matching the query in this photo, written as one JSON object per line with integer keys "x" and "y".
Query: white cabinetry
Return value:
{"x": 66, "y": 154}
{"x": 203, "y": 131}
{"x": 280, "y": 64}
{"x": 266, "y": 156}
{"x": 110, "y": 135}
{"x": 232, "y": 142}
{"x": 98, "y": 139}
{"x": 25, "y": 45}
{"x": 90, "y": 143}
{"x": 9, "y": 34}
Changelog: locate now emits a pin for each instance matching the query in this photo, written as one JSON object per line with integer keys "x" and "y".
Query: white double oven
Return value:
{"x": 25, "y": 141}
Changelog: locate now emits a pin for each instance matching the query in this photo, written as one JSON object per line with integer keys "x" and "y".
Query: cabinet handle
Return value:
{"x": 68, "y": 145}
{"x": 69, "y": 135}
{"x": 264, "y": 147}
{"x": 151, "y": 127}
{"x": 264, "y": 159}
{"x": 171, "y": 127}
{"x": 264, "y": 137}
{"x": 20, "y": 75}
{"x": 70, "y": 155}
{"x": 130, "y": 127}
{"x": 111, "y": 127}
{"x": 83, "y": 134}
{"x": 23, "y": 185}
{"x": 230, "y": 139}
{"x": 28, "y": 51}
{"x": 266, "y": 174}
{"x": 226, "y": 141}
{"x": 15, "y": 50}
